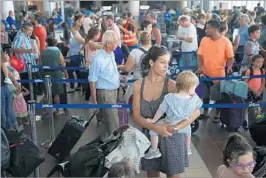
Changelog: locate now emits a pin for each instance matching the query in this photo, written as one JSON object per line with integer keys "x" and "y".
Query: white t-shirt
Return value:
{"x": 87, "y": 24}
{"x": 137, "y": 56}
{"x": 188, "y": 32}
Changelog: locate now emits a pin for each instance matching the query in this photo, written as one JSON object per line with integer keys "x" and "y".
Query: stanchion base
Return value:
{"x": 46, "y": 144}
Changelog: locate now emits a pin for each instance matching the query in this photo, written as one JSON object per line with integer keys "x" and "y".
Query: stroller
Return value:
{"x": 89, "y": 160}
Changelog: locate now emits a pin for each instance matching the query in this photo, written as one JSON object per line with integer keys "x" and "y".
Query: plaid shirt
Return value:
{"x": 23, "y": 41}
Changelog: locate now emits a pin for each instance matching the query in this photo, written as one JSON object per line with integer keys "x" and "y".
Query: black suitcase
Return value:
{"x": 232, "y": 118}
{"x": 68, "y": 137}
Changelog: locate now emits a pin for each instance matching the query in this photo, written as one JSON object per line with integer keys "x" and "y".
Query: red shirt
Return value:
{"x": 41, "y": 33}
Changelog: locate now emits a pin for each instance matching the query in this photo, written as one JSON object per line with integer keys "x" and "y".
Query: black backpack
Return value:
{"x": 252, "y": 71}
{"x": 144, "y": 65}
{"x": 89, "y": 160}
{"x": 25, "y": 156}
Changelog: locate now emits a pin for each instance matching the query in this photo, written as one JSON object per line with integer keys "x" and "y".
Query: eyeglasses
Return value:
{"x": 243, "y": 166}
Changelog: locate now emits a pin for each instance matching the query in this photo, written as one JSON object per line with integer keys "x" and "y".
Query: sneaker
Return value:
{"x": 8, "y": 81}
{"x": 59, "y": 112}
{"x": 189, "y": 151}
{"x": 153, "y": 154}
{"x": 71, "y": 90}
{"x": 245, "y": 125}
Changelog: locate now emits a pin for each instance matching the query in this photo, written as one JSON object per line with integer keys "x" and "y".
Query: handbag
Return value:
{"x": 17, "y": 63}
{"x": 25, "y": 156}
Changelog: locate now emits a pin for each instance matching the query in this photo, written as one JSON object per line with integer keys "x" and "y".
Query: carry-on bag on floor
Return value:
{"x": 25, "y": 156}
{"x": 258, "y": 131}
{"x": 232, "y": 118}
{"x": 89, "y": 160}
{"x": 68, "y": 137}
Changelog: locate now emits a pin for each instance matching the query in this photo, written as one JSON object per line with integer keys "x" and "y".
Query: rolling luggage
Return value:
{"x": 232, "y": 118}
{"x": 68, "y": 137}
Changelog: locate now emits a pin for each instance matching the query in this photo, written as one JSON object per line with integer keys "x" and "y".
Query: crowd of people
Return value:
{"x": 109, "y": 49}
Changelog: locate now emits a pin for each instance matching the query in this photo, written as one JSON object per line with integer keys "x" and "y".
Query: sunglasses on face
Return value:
{"x": 243, "y": 166}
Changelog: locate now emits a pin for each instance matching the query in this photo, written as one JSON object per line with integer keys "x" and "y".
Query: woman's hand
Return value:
{"x": 165, "y": 130}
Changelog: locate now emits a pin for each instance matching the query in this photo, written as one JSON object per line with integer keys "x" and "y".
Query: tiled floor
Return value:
{"x": 207, "y": 146}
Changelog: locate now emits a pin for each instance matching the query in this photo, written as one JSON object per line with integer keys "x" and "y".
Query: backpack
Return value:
{"x": 144, "y": 65}
{"x": 252, "y": 71}
{"x": 5, "y": 151}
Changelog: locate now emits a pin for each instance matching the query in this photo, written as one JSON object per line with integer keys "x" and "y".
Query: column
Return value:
{"x": 181, "y": 4}
{"x": 46, "y": 8}
{"x": 77, "y": 5}
{"x": 133, "y": 7}
{"x": 189, "y": 4}
{"x": 63, "y": 10}
{"x": 206, "y": 5}
{"x": 6, "y": 6}
{"x": 201, "y": 4}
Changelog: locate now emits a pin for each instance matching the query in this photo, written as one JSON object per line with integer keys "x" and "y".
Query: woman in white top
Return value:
{"x": 134, "y": 60}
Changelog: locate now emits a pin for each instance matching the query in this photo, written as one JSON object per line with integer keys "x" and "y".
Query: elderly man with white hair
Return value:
{"x": 104, "y": 80}
{"x": 243, "y": 35}
{"x": 187, "y": 33}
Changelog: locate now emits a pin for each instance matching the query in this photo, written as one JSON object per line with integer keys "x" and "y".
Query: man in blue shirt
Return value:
{"x": 244, "y": 36}
{"x": 11, "y": 21}
{"x": 105, "y": 80}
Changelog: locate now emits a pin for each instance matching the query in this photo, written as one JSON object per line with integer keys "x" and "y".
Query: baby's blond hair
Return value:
{"x": 185, "y": 80}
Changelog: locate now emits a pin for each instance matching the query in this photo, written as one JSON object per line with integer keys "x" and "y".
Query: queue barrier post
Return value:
{"x": 33, "y": 133}
{"x": 29, "y": 68}
{"x": 48, "y": 86}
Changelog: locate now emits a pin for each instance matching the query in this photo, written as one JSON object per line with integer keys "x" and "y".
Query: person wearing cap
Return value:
{"x": 129, "y": 32}
{"x": 87, "y": 22}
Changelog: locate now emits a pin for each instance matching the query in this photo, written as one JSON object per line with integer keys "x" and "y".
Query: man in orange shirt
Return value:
{"x": 40, "y": 32}
{"x": 214, "y": 54}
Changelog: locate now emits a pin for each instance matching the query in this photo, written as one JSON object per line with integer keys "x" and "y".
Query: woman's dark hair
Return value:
{"x": 145, "y": 24}
{"x": 257, "y": 56}
{"x": 121, "y": 169}
{"x": 78, "y": 15}
{"x": 24, "y": 13}
{"x": 236, "y": 146}
{"x": 51, "y": 41}
{"x": 253, "y": 28}
{"x": 153, "y": 54}
{"x": 224, "y": 26}
{"x": 93, "y": 31}
{"x": 65, "y": 25}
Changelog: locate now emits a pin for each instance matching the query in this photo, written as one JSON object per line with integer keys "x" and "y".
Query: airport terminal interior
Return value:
{"x": 189, "y": 70}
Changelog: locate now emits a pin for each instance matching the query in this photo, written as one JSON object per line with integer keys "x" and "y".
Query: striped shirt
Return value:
{"x": 23, "y": 41}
